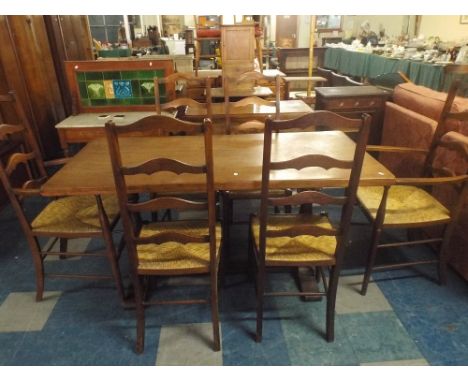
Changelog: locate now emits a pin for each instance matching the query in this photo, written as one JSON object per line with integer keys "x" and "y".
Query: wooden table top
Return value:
{"x": 290, "y": 108}
{"x": 237, "y": 161}
{"x": 96, "y": 120}
{"x": 259, "y": 91}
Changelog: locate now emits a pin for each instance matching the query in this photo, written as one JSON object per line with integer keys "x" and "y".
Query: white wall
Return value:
{"x": 448, "y": 28}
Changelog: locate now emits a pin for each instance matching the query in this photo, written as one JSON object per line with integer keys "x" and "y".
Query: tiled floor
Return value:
{"x": 405, "y": 319}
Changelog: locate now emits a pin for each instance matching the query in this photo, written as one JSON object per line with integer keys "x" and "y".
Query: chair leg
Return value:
{"x": 443, "y": 252}
{"x": 251, "y": 262}
{"x": 260, "y": 295}
{"x": 376, "y": 232}
{"x": 331, "y": 300}
{"x": 140, "y": 315}
{"x": 63, "y": 247}
{"x": 112, "y": 256}
{"x": 39, "y": 268}
{"x": 226, "y": 225}
{"x": 214, "y": 311}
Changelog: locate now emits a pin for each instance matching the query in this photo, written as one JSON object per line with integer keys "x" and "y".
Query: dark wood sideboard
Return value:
{"x": 352, "y": 101}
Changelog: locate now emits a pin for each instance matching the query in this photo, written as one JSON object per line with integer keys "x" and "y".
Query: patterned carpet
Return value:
{"x": 406, "y": 318}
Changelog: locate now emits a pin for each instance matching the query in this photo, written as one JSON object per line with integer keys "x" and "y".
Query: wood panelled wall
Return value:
{"x": 31, "y": 63}
{"x": 33, "y": 49}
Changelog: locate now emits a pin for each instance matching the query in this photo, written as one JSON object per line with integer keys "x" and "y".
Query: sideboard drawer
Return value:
{"x": 353, "y": 103}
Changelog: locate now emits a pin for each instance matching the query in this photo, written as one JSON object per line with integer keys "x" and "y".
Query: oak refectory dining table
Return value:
{"x": 237, "y": 164}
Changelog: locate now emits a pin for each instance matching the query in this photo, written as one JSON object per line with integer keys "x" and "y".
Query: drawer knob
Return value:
{"x": 372, "y": 103}
{"x": 356, "y": 103}
{"x": 341, "y": 103}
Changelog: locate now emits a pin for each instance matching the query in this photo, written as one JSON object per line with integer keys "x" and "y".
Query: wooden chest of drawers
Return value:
{"x": 352, "y": 101}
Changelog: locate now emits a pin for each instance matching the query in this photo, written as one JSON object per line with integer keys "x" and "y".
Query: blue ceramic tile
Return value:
{"x": 122, "y": 88}
{"x": 240, "y": 348}
{"x": 378, "y": 336}
{"x": 304, "y": 331}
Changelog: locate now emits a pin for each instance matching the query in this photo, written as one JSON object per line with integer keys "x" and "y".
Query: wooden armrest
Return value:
{"x": 396, "y": 149}
{"x": 430, "y": 181}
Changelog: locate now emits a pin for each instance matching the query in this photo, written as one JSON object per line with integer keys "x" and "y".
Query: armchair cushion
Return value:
{"x": 429, "y": 103}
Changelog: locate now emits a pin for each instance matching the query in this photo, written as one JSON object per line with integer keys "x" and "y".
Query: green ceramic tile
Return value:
{"x": 158, "y": 73}
{"x": 125, "y": 101}
{"x": 136, "y": 88}
{"x": 83, "y": 89}
{"x": 98, "y": 102}
{"x": 115, "y": 101}
{"x": 136, "y": 101}
{"x": 91, "y": 76}
{"x": 85, "y": 102}
{"x": 111, "y": 75}
{"x": 162, "y": 90}
{"x": 146, "y": 74}
{"x": 147, "y": 88}
{"x": 148, "y": 101}
{"x": 95, "y": 89}
{"x": 80, "y": 76}
{"x": 129, "y": 75}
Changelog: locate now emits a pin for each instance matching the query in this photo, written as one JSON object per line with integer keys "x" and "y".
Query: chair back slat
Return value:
{"x": 167, "y": 202}
{"x": 172, "y": 236}
{"x": 307, "y": 197}
{"x": 320, "y": 118}
{"x": 156, "y": 125}
{"x": 163, "y": 164}
{"x": 312, "y": 160}
{"x": 252, "y": 100}
{"x": 300, "y": 230}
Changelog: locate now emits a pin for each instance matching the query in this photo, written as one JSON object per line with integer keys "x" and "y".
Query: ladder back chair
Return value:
{"x": 409, "y": 204}
{"x": 238, "y": 125}
{"x": 237, "y": 118}
{"x": 178, "y": 247}
{"x": 179, "y": 104}
{"x": 305, "y": 239}
{"x": 60, "y": 220}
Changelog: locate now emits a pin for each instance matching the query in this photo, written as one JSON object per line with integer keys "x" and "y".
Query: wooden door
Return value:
{"x": 237, "y": 49}
{"x": 286, "y": 31}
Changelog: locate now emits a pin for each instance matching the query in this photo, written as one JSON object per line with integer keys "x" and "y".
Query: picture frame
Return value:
{"x": 464, "y": 19}
{"x": 328, "y": 23}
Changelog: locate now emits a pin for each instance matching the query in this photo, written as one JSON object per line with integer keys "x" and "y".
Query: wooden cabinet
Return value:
{"x": 352, "y": 101}
{"x": 237, "y": 49}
